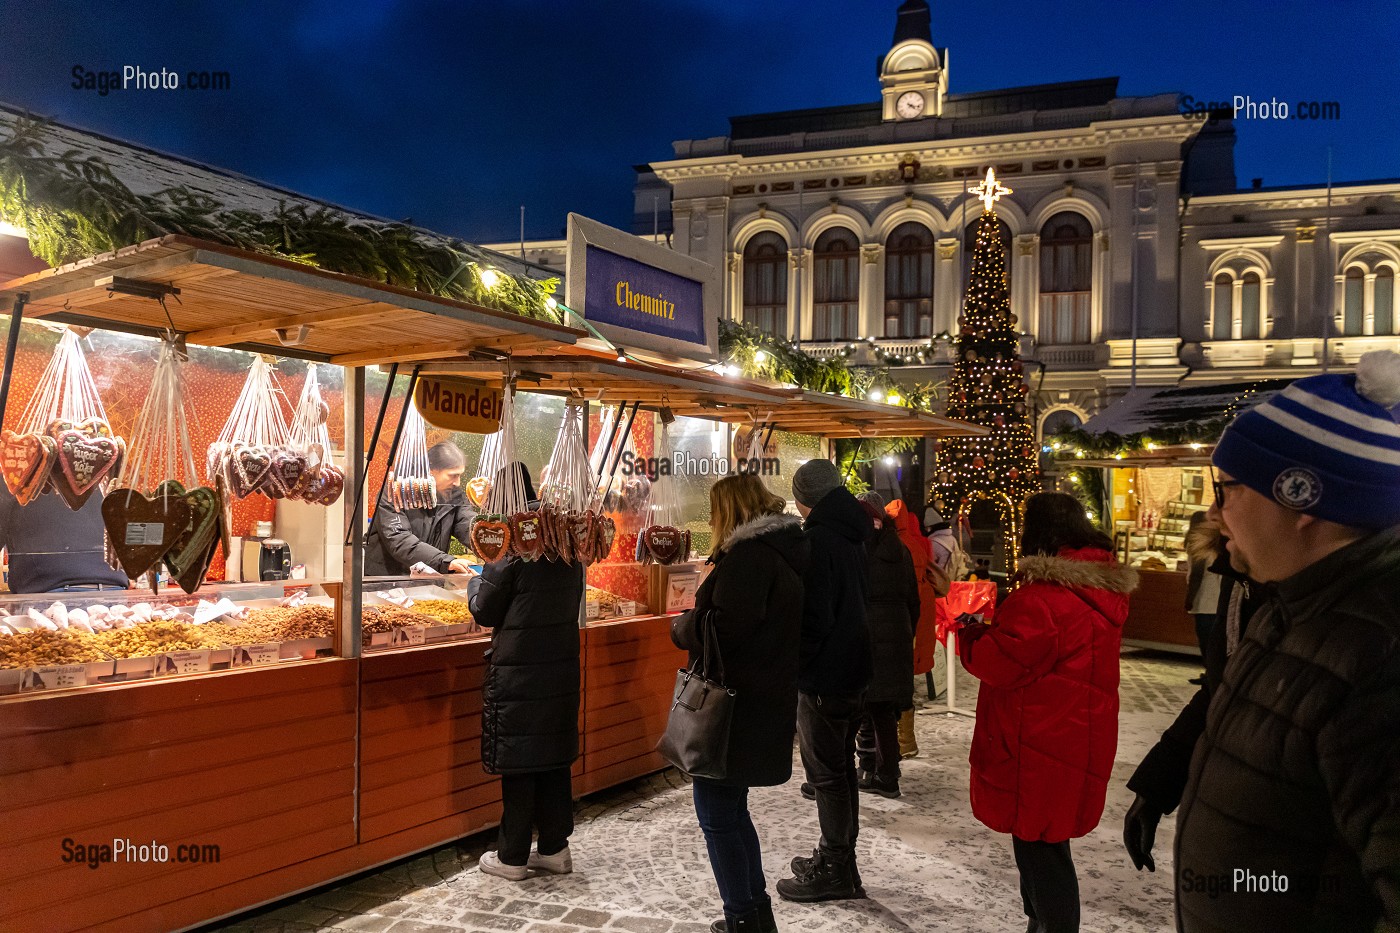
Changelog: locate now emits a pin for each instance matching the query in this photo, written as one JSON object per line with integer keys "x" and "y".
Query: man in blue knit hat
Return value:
{"x": 1291, "y": 815}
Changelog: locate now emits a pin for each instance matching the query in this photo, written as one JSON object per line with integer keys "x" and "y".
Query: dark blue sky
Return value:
{"x": 456, "y": 113}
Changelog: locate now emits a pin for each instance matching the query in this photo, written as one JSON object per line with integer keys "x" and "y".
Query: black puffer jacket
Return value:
{"x": 399, "y": 540}
{"x": 835, "y": 657}
{"x": 1297, "y": 776}
{"x": 891, "y": 609}
{"x": 753, "y": 597}
{"x": 530, "y": 701}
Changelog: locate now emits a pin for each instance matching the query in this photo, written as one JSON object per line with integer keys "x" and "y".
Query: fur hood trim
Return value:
{"x": 764, "y": 524}
{"x": 1205, "y": 542}
{"x": 1068, "y": 571}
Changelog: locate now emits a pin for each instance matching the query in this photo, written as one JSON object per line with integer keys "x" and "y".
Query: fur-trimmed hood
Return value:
{"x": 1204, "y": 542}
{"x": 1089, "y": 568}
{"x": 764, "y": 524}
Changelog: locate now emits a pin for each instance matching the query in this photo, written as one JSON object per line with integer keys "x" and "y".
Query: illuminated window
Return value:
{"x": 1066, "y": 279}
{"x": 909, "y": 281}
{"x": 765, "y": 283}
{"x": 836, "y": 285}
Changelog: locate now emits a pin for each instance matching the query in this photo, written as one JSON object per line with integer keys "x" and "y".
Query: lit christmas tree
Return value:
{"x": 988, "y": 389}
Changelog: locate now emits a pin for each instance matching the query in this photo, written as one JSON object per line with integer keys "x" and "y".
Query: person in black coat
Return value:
{"x": 834, "y": 670}
{"x": 752, "y": 602}
{"x": 891, "y": 612}
{"x": 54, "y": 549}
{"x": 400, "y": 539}
{"x": 530, "y": 702}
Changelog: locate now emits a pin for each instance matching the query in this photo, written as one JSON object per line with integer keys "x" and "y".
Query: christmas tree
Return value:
{"x": 988, "y": 389}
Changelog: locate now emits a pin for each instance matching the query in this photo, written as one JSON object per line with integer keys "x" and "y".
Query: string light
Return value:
{"x": 490, "y": 278}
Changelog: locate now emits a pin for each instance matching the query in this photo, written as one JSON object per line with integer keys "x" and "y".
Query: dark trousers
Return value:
{"x": 877, "y": 741}
{"x": 826, "y": 735}
{"x": 1049, "y": 886}
{"x": 1205, "y": 621}
{"x": 542, "y": 801}
{"x": 733, "y": 844}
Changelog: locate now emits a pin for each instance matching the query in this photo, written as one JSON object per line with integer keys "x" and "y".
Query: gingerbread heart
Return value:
{"x": 225, "y": 513}
{"x": 580, "y": 529}
{"x": 664, "y": 543}
{"x": 607, "y": 533}
{"x": 83, "y": 462}
{"x": 334, "y": 484}
{"x": 249, "y": 467}
{"x": 94, "y": 427}
{"x": 57, "y": 426}
{"x": 141, "y": 530}
{"x": 527, "y": 535}
{"x": 25, "y": 462}
{"x": 478, "y": 489}
{"x": 193, "y": 543}
{"x": 490, "y": 540}
{"x": 216, "y": 461}
{"x": 194, "y": 575}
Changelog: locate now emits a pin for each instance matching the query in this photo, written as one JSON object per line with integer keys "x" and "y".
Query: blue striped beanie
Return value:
{"x": 1327, "y": 446}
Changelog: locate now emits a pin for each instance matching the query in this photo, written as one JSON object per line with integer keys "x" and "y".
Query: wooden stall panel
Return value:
{"x": 260, "y": 764}
{"x": 1157, "y": 613}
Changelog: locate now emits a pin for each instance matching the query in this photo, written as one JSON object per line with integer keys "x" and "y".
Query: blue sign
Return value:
{"x": 626, "y": 293}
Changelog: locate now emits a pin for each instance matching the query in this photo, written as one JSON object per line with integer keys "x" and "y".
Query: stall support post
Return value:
{"x": 950, "y": 655}
{"x": 16, "y": 317}
{"x": 354, "y": 552}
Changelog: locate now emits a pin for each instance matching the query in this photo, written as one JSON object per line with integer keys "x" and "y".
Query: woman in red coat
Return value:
{"x": 1047, "y": 712}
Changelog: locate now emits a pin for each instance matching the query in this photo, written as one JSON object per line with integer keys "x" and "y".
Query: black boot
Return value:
{"x": 767, "y": 923}
{"x": 750, "y": 923}
{"x": 882, "y": 787}
{"x": 808, "y": 791}
{"x": 826, "y": 881}
{"x": 802, "y": 865}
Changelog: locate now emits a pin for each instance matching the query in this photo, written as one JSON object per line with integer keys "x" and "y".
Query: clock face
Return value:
{"x": 909, "y": 105}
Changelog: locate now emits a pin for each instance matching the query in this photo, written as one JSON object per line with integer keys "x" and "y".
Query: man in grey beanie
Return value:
{"x": 834, "y": 671}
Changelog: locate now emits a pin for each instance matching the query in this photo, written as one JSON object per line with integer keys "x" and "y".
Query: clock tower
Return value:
{"x": 913, "y": 74}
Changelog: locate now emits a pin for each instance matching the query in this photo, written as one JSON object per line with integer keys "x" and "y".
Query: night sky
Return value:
{"x": 455, "y": 114}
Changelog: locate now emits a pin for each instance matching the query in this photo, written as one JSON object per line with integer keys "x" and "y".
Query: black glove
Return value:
{"x": 1140, "y": 832}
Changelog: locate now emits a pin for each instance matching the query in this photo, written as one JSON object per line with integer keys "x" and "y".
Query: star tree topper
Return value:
{"x": 989, "y": 190}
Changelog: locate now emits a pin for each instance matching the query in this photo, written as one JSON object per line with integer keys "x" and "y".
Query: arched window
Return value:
{"x": 1066, "y": 279}
{"x": 836, "y": 285}
{"x": 1224, "y": 309}
{"x": 1062, "y": 419}
{"x": 909, "y": 281}
{"x": 1354, "y": 303}
{"x": 1249, "y": 307}
{"x": 765, "y": 283}
{"x": 970, "y": 240}
{"x": 1385, "y": 300}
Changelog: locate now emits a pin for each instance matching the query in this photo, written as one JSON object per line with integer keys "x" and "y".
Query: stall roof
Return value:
{"x": 1143, "y": 411}
{"x": 235, "y": 298}
{"x": 699, "y": 393}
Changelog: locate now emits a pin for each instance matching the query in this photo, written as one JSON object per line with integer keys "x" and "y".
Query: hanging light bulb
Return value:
{"x": 875, "y": 395}
{"x": 894, "y": 398}
{"x": 490, "y": 278}
{"x": 760, "y": 357}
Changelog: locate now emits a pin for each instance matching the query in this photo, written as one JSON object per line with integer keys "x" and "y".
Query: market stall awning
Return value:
{"x": 700, "y": 393}
{"x": 1149, "y": 411}
{"x": 250, "y": 301}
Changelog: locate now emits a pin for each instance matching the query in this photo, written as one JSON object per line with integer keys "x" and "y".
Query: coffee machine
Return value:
{"x": 266, "y": 559}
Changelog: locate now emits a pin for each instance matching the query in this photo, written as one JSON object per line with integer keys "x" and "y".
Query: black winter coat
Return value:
{"x": 530, "y": 700}
{"x": 835, "y": 658}
{"x": 1298, "y": 773}
{"x": 399, "y": 540}
{"x": 753, "y": 597}
{"x": 891, "y": 611}
{"x": 1161, "y": 777}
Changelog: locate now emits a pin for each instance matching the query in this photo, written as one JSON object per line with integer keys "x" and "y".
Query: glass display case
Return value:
{"x": 89, "y": 638}
{"x": 402, "y": 612}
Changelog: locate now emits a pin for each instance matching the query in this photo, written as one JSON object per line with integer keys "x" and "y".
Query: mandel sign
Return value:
{"x": 456, "y": 405}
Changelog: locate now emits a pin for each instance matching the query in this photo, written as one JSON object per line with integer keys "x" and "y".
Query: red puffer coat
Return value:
{"x": 1047, "y": 712}
{"x": 926, "y": 629}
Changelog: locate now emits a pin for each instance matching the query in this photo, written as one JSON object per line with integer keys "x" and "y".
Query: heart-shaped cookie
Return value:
{"x": 607, "y": 533}
{"x": 83, "y": 462}
{"x": 249, "y": 467}
{"x": 478, "y": 488}
{"x": 334, "y": 484}
{"x": 216, "y": 461}
{"x": 664, "y": 543}
{"x": 141, "y": 530}
{"x": 490, "y": 540}
{"x": 527, "y": 536}
{"x": 192, "y": 544}
{"x": 25, "y": 462}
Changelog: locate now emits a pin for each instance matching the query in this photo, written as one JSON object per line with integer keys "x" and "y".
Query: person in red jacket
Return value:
{"x": 926, "y": 626}
{"x": 1047, "y": 712}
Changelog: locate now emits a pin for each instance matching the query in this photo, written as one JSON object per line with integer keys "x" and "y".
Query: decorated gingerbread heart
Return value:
{"x": 478, "y": 488}
{"x": 664, "y": 543}
{"x": 192, "y": 544}
{"x": 83, "y": 462}
{"x": 490, "y": 540}
{"x": 527, "y": 536}
{"x": 249, "y": 467}
{"x": 607, "y": 532}
{"x": 25, "y": 462}
{"x": 333, "y": 484}
{"x": 142, "y": 529}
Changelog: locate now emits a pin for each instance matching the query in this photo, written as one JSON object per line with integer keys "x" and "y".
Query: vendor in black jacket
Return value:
{"x": 834, "y": 670}
{"x": 1290, "y": 820}
{"x": 400, "y": 539}
{"x": 530, "y": 702}
{"x": 54, "y": 549}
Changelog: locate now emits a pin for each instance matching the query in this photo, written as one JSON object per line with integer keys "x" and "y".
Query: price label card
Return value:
{"x": 183, "y": 662}
{"x": 626, "y": 607}
{"x": 142, "y": 534}
{"x": 680, "y": 591}
{"x": 255, "y": 655}
{"x": 409, "y": 635}
{"x": 54, "y": 678}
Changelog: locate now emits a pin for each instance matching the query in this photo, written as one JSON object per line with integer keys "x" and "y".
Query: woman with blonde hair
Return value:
{"x": 752, "y": 602}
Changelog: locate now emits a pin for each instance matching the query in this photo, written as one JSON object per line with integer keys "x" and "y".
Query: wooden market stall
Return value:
{"x": 308, "y": 770}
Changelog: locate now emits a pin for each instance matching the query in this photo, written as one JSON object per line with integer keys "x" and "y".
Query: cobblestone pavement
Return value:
{"x": 640, "y": 863}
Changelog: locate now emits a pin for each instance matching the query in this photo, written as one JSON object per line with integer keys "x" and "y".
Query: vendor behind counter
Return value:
{"x": 54, "y": 549}
{"x": 400, "y": 539}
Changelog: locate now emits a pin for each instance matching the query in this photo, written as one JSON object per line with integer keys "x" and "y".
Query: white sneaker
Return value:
{"x": 560, "y": 863}
{"x": 491, "y": 864}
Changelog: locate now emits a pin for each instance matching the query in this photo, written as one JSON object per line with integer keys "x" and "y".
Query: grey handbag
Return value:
{"x": 696, "y": 739}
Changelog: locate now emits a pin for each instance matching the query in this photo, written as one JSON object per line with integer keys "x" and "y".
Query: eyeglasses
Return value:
{"x": 1220, "y": 485}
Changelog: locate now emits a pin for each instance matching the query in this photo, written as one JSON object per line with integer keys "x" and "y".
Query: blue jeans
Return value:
{"x": 733, "y": 844}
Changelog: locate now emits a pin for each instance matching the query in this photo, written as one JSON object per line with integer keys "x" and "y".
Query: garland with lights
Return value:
{"x": 73, "y": 206}
{"x": 988, "y": 388}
